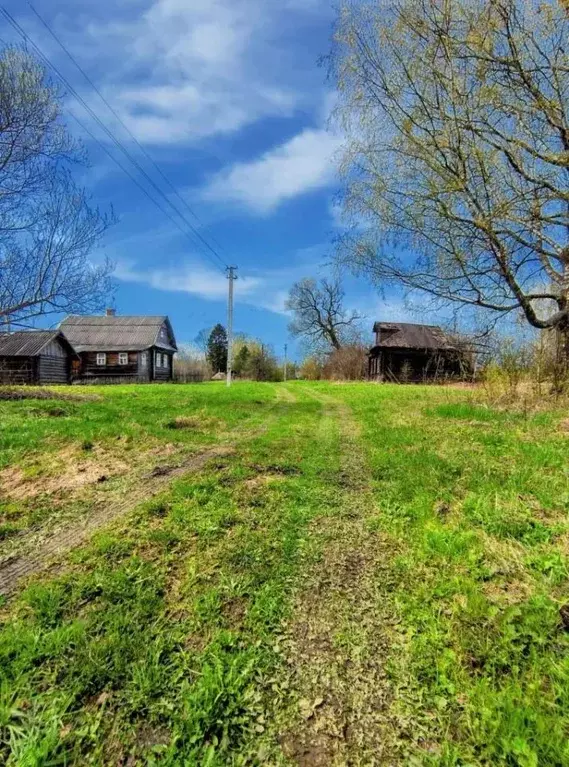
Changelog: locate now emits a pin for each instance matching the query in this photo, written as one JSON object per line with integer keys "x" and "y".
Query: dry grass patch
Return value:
{"x": 508, "y": 592}
{"x": 68, "y": 470}
{"x": 198, "y": 422}
{"x": 261, "y": 480}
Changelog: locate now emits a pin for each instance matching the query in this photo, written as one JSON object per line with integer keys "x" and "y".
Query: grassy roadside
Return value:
{"x": 375, "y": 578}
{"x": 159, "y": 641}
{"x": 478, "y": 500}
{"x": 59, "y": 457}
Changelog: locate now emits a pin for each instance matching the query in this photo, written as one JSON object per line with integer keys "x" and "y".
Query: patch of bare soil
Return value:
{"x": 42, "y": 549}
{"x": 70, "y": 536}
{"x": 71, "y": 469}
{"x": 337, "y": 643}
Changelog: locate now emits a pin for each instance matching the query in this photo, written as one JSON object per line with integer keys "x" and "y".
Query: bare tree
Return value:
{"x": 202, "y": 338}
{"x": 47, "y": 226}
{"x": 319, "y": 316}
{"x": 190, "y": 364}
{"x": 457, "y": 158}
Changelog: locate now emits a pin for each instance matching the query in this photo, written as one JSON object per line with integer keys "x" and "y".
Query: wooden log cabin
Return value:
{"x": 407, "y": 352}
{"x": 116, "y": 348}
{"x": 35, "y": 357}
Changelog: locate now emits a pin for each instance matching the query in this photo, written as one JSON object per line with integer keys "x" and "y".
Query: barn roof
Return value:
{"x": 406, "y": 335}
{"x": 29, "y": 343}
{"x": 117, "y": 333}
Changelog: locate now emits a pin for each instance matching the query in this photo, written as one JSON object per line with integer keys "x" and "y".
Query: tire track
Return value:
{"x": 42, "y": 554}
{"x": 338, "y": 639}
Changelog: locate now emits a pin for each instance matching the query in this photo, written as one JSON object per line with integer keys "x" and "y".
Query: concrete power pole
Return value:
{"x": 285, "y": 361}
{"x": 231, "y": 276}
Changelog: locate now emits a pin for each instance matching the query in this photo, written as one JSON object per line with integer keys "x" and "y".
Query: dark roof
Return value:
{"x": 117, "y": 333}
{"x": 406, "y": 335}
{"x": 29, "y": 343}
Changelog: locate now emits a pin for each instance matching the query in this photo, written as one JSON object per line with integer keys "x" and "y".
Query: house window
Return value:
{"x": 123, "y": 358}
{"x": 158, "y": 361}
{"x": 144, "y": 359}
{"x": 101, "y": 358}
{"x": 165, "y": 360}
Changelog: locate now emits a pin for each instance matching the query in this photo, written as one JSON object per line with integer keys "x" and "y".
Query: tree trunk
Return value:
{"x": 561, "y": 373}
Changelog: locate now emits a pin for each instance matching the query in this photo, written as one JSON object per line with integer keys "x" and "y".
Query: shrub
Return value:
{"x": 346, "y": 364}
{"x": 310, "y": 369}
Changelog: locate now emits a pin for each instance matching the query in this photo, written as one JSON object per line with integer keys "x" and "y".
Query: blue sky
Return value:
{"x": 228, "y": 98}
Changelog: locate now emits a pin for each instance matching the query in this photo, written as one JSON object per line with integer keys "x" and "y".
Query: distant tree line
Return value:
{"x": 252, "y": 359}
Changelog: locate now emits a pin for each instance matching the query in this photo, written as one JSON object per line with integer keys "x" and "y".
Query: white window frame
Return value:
{"x": 157, "y": 360}
{"x": 165, "y": 361}
{"x": 144, "y": 359}
{"x": 101, "y": 359}
{"x": 123, "y": 358}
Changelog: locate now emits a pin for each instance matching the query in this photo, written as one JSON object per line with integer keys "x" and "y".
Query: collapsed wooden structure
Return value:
{"x": 407, "y": 352}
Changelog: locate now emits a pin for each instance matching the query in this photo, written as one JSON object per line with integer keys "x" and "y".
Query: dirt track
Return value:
{"x": 42, "y": 554}
{"x": 68, "y": 537}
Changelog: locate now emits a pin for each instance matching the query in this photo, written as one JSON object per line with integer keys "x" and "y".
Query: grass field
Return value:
{"x": 303, "y": 573}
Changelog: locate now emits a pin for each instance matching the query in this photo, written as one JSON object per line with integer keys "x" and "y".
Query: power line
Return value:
{"x": 120, "y": 120}
{"x": 118, "y": 163}
{"x": 119, "y": 145}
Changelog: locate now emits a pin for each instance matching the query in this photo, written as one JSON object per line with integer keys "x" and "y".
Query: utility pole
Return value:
{"x": 231, "y": 276}
{"x": 285, "y": 361}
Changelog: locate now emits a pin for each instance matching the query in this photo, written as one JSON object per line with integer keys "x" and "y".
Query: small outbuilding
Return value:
{"x": 116, "y": 348}
{"x": 408, "y": 352}
{"x": 35, "y": 357}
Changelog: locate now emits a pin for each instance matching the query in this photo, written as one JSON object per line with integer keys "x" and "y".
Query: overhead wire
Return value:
{"x": 120, "y": 146}
{"x": 115, "y": 114}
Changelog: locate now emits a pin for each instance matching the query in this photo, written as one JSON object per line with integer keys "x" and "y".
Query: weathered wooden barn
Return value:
{"x": 35, "y": 357}
{"x": 118, "y": 348}
{"x": 407, "y": 352}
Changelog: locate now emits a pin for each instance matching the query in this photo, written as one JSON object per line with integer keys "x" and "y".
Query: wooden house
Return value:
{"x": 407, "y": 352}
{"x": 118, "y": 348}
{"x": 35, "y": 357}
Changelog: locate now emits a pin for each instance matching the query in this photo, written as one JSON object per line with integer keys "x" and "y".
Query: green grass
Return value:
{"x": 135, "y": 413}
{"x": 105, "y": 429}
{"x": 160, "y": 641}
{"x": 478, "y": 499}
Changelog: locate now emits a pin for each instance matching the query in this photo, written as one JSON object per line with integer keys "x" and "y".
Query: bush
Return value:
{"x": 524, "y": 372}
{"x": 346, "y": 364}
{"x": 310, "y": 369}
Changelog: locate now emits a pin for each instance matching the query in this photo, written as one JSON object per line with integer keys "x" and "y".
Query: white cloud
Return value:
{"x": 337, "y": 215}
{"x": 266, "y": 289}
{"x": 300, "y": 165}
{"x": 195, "y": 279}
{"x": 182, "y": 70}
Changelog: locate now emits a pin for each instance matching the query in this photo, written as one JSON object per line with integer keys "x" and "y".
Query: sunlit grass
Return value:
{"x": 159, "y": 640}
